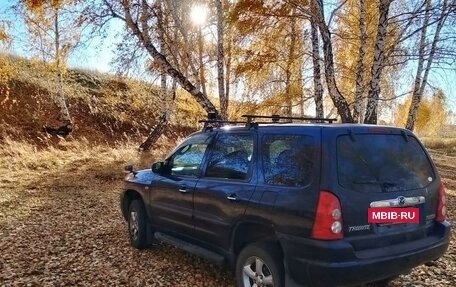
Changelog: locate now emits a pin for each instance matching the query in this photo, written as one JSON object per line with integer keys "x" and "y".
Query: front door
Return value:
{"x": 171, "y": 196}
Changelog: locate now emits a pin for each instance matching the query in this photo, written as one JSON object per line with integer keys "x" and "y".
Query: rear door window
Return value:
{"x": 288, "y": 159}
{"x": 382, "y": 163}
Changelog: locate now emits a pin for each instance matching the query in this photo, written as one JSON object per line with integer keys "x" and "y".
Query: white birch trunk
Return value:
{"x": 359, "y": 74}
{"x": 420, "y": 83}
{"x": 288, "y": 69}
{"x": 318, "y": 87}
{"x": 228, "y": 67}
{"x": 200, "y": 62}
{"x": 337, "y": 98}
{"x": 377, "y": 66}
{"x": 61, "y": 102}
{"x": 223, "y": 98}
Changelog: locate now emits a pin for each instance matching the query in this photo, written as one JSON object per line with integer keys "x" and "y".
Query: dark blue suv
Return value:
{"x": 290, "y": 204}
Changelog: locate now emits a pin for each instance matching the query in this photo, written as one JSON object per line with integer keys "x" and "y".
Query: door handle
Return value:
{"x": 232, "y": 197}
{"x": 184, "y": 190}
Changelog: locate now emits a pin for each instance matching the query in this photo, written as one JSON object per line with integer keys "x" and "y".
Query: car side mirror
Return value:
{"x": 158, "y": 167}
{"x": 128, "y": 168}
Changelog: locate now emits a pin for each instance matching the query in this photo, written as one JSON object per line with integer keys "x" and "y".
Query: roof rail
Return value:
{"x": 212, "y": 122}
{"x": 277, "y": 118}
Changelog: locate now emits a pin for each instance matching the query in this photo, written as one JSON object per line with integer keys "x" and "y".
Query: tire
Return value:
{"x": 137, "y": 224}
{"x": 269, "y": 256}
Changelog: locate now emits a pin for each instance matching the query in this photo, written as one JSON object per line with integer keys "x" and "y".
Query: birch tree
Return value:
{"x": 359, "y": 73}
{"x": 221, "y": 61}
{"x": 160, "y": 127}
{"x": 318, "y": 87}
{"x": 137, "y": 19}
{"x": 288, "y": 68}
{"x": 337, "y": 98}
{"x": 55, "y": 30}
{"x": 420, "y": 79}
{"x": 377, "y": 66}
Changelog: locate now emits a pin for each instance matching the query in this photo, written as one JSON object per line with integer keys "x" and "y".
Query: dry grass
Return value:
{"x": 441, "y": 144}
{"x": 27, "y": 170}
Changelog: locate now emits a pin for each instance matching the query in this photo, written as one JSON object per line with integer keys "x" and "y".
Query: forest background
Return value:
{"x": 88, "y": 86}
{"x": 380, "y": 62}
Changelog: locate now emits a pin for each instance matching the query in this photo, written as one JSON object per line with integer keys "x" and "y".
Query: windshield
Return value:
{"x": 382, "y": 163}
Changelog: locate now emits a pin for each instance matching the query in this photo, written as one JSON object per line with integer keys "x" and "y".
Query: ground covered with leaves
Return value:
{"x": 60, "y": 225}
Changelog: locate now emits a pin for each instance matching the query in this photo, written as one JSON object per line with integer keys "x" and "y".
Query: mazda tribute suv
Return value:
{"x": 294, "y": 204}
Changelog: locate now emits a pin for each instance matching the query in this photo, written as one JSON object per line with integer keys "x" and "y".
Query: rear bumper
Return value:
{"x": 325, "y": 263}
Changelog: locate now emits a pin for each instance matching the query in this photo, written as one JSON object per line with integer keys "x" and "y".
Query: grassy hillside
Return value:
{"x": 104, "y": 108}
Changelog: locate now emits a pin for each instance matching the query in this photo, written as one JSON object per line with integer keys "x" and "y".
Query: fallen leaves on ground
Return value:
{"x": 64, "y": 228}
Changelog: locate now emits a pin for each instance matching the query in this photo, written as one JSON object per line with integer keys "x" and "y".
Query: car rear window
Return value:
{"x": 382, "y": 163}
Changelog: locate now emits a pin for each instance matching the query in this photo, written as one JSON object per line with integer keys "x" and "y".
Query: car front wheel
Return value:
{"x": 260, "y": 265}
{"x": 137, "y": 224}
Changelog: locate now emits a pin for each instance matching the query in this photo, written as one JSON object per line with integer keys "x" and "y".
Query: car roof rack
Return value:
{"x": 210, "y": 124}
{"x": 213, "y": 122}
{"x": 279, "y": 119}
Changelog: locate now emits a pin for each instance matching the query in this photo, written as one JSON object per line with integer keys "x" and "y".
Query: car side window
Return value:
{"x": 186, "y": 161}
{"x": 288, "y": 159}
{"x": 231, "y": 157}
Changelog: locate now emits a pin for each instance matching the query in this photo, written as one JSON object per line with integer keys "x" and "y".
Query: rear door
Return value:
{"x": 381, "y": 167}
{"x": 288, "y": 183}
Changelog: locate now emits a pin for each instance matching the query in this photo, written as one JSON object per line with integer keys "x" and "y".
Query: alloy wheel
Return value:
{"x": 256, "y": 273}
{"x": 134, "y": 225}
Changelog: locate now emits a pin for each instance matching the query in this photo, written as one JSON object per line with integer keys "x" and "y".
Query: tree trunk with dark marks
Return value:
{"x": 161, "y": 125}
{"x": 420, "y": 83}
{"x": 228, "y": 67}
{"x": 318, "y": 87}
{"x": 377, "y": 66}
{"x": 288, "y": 70}
{"x": 223, "y": 98}
{"x": 359, "y": 73}
{"x": 155, "y": 134}
{"x": 337, "y": 98}
{"x": 202, "y": 76}
{"x": 61, "y": 102}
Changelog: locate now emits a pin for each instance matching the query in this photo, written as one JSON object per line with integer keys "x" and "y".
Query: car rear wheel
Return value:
{"x": 137, "y": 224}
{"x": 260, "y": 265}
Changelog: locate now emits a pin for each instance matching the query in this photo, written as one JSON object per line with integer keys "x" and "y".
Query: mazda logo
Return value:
{"x": 401, "y": 200}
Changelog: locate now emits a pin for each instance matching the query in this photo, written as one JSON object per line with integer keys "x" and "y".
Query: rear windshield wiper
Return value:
{"x": 375, "y": 182}
{"x": 384, "y": 184}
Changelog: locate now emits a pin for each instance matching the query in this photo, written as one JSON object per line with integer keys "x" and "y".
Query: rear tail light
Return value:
{"x": 328, "y": 218}
{"x": 441, "y": 213}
